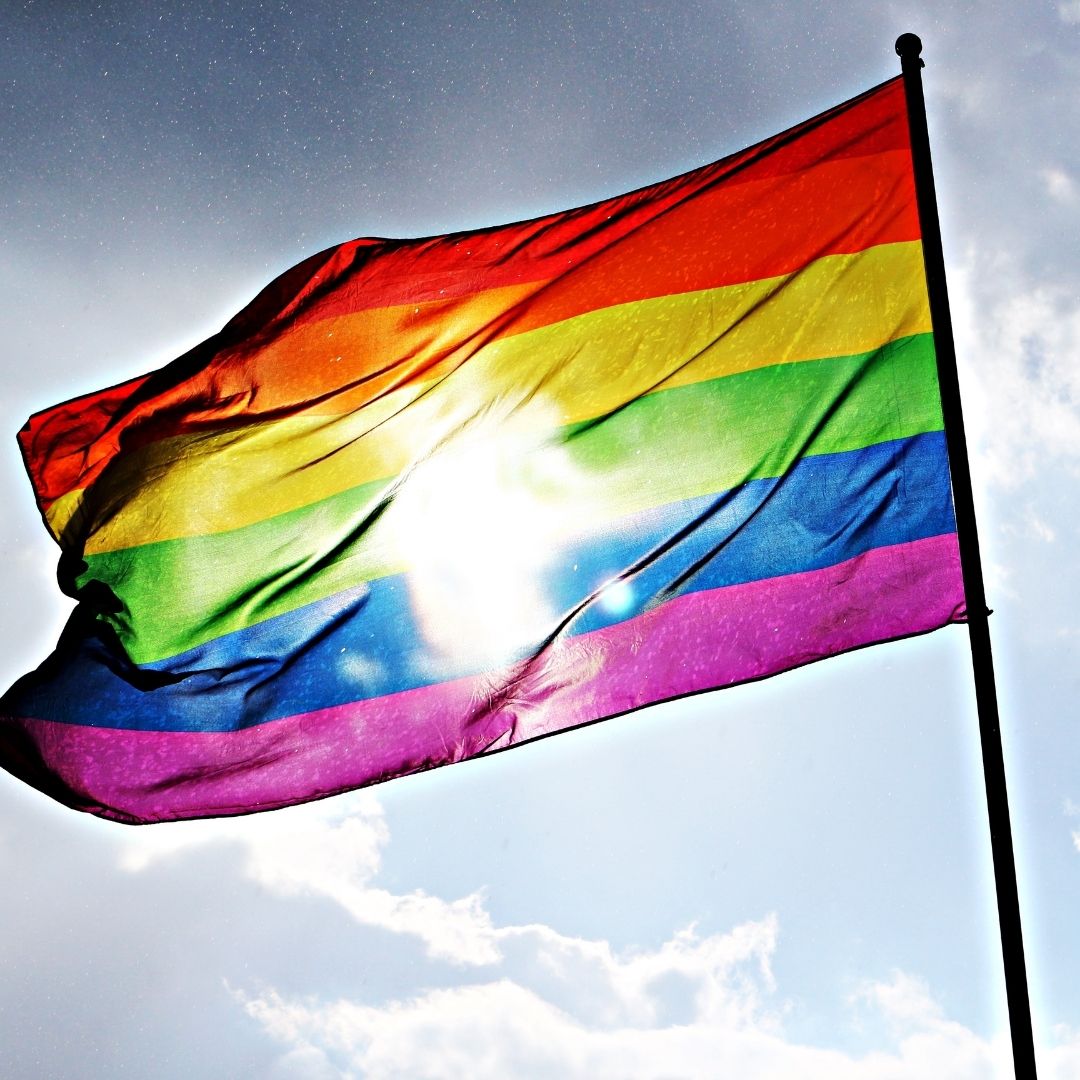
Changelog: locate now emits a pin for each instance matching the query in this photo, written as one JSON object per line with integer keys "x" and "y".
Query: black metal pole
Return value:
{"x": 909, "y": 48}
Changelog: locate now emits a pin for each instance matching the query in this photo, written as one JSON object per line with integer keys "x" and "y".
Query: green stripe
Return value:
{"x": 660, "y": 448}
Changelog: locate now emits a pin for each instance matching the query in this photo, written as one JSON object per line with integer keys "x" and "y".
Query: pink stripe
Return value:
{"x": 696, "y": 642}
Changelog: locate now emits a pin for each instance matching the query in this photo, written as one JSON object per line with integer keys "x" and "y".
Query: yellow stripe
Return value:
{"x": 583, "y": 367}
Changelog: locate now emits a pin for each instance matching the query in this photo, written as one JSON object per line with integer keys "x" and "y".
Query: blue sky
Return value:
{"x": 789, "y": 879}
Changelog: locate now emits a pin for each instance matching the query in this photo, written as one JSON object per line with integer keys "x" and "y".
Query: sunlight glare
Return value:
{"x": 480, "y": 520}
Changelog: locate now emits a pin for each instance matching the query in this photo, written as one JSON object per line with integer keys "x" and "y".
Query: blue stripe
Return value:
{"x": 366, "y": 642}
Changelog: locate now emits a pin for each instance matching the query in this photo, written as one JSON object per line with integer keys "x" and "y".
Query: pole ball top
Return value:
{"x": 908, "y": 45}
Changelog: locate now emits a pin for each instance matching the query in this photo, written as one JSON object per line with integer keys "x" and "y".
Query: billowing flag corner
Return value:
{"x": 427, "y": 499}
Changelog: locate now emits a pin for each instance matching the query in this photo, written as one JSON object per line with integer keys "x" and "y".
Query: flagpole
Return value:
{"x": 909, "y": 48}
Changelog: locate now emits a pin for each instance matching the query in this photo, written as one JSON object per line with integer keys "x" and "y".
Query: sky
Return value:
{"x": 785, "y": 880}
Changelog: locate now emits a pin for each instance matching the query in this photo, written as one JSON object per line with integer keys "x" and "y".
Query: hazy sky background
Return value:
{"x": 784, "y": 880}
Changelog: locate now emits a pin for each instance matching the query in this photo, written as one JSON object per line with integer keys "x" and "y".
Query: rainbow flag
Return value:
{"x": 428, "y": 499}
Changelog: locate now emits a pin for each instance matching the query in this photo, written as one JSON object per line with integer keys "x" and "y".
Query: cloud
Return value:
{"x": 1016, "y": 344}
{"x": 333, "y": 849}
{"x": 1030, "y": 526}
{"x": 529, "y": 1001}
{"x": 904, "y": 1001}
{"x": 1040, "y": 530}
{"x": 1059, "y": 184}
{"x": 501, "y": 1028}
{"x": 1069, "y": 11}
{"x": 330, "y": 849}
{"x": 1062, "y": 1062}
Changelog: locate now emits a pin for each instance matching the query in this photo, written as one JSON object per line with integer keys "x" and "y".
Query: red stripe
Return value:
{"x": 415, "y": 271}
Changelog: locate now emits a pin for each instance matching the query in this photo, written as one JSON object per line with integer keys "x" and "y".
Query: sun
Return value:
{"x": 480, "y": 520}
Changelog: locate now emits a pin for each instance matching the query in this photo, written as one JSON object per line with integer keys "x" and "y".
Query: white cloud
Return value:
{"x": 690, "y": 975}
{"x": 1062, "y": 1062}
{"x": 1059, "y": 184}
{"x": 1030, "y": 525}
{"x": 305, "y": 1062}
{"x": 530, "y": 1001}
{"x": 331, "y": 849}
{"x": 1040, "y": 530}
{"x": 904, "y": 1001}
{"x": 973, "y": 94}
{"x": 1017, "y": 346}
{"x": 500, "y": 1029}
{"x": 999, "y": 579}
{"x": 1069, "y": 11}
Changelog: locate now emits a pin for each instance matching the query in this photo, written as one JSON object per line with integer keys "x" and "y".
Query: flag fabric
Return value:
{"x": 427, "y": 499}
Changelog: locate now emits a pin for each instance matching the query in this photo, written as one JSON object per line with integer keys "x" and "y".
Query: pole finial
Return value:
{"x": 909, "y": 47}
